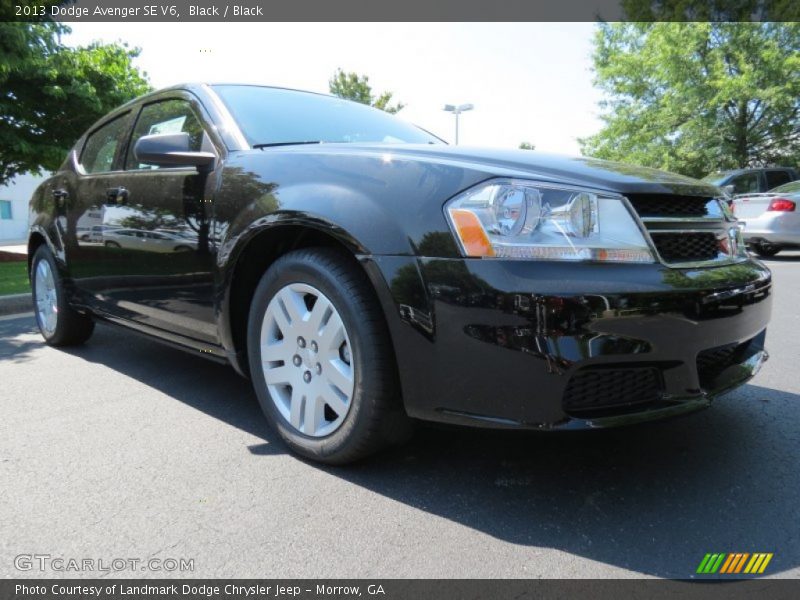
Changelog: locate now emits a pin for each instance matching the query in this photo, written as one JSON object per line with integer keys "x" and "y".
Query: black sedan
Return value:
{"x": 364, "y": 274}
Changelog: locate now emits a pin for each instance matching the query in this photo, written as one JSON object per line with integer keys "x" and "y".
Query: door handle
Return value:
{"x": 117, "y": 195}
{"x": 60, "y": 196}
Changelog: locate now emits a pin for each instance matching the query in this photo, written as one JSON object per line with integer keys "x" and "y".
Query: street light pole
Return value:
{"x": 457, "y": 110}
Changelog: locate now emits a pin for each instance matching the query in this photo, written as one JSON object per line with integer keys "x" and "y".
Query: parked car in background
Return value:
{"x": 752, "y": 181}
{"x": 771, "y": 221}
{"x": 362, "y": 273}
{"x": 93, "y": 234}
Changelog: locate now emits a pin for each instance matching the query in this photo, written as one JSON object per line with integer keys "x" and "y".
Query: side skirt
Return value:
{"x": 192, "y": 346}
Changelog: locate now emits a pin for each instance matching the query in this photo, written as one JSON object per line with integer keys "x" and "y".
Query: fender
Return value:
{"x": 362, "y": 201}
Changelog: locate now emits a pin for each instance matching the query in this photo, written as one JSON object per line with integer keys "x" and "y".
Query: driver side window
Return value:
{"x": 167, "y": 116}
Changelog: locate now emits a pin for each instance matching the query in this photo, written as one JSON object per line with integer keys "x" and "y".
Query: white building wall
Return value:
{"x": 19, "y": 192}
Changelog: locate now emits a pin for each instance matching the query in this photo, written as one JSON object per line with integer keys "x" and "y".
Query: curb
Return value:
{"x": 15, "y": 303}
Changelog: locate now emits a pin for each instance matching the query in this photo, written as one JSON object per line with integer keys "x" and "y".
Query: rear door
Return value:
{"x": 88, "y": 202}
{"x": 164, "y": 278}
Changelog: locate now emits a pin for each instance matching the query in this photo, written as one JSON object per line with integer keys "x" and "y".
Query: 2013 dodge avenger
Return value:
{"x": 364, "y": 274}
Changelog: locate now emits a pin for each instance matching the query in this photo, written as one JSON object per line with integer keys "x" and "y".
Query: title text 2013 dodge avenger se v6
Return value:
{"x": 364, "y": 274}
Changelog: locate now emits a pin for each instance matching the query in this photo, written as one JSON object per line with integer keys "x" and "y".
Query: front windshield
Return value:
{"x": 272, "y": 116}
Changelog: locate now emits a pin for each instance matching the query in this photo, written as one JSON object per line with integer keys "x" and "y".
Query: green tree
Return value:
{"x": 51, "y": 93}
{"x": 710, "y": 10}
{"x": 698, "y": 97}
{"x": 527, "y": 146}
{"x": 356, "y": 87}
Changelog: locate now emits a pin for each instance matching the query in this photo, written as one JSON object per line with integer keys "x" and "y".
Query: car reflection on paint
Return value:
{"x": 94, "y": 234}
{"x": 152, "y": 241}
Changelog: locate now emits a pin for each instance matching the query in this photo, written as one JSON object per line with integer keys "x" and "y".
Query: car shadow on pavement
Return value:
{"x": 652, "y": 499}
{"x": 18, "y": 342}
{"x": 207, "y": 386}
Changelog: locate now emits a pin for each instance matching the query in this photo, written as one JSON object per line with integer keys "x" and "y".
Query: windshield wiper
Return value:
{"x": 273, "y": 144}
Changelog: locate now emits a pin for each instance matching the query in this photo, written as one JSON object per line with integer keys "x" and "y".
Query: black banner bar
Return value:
{"x": 393, "y": 589}
{"x": 392, "y": 10}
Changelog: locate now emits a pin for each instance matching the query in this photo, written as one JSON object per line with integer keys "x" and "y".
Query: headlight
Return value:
{"x": 507, "y": 218}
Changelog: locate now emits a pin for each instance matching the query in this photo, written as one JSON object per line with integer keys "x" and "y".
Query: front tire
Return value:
{"x": 58, "y": 322}
{"x": 321, "y": 360}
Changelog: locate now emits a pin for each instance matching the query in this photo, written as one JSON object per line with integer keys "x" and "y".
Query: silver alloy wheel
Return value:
{"x": 307, "y": 360}
{"x": 46, "y": 298}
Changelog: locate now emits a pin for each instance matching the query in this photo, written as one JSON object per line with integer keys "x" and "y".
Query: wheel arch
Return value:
{"x": 252, "y": 259}
{"x": 38, "y": 237}
{"x": 35, "y": 240}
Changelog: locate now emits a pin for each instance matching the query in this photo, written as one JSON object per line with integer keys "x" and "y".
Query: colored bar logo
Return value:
{"x": 733, "y": 563}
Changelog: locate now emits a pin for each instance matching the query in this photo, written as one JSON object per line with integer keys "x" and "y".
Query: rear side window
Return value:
{"x": 102, "y": 146}
{"x": 745, "y": 184}
{"x": 168, "y": 116}
{"x": 776, "y": 178}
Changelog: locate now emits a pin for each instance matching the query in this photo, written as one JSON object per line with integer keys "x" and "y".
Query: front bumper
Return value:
{"x": 558, "y": 345}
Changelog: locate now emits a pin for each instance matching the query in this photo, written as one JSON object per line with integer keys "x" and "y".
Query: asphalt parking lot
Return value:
{"x": 126, "y": 448}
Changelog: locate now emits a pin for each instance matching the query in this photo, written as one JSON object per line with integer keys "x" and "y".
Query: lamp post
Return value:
{"x": 457, "y": 110}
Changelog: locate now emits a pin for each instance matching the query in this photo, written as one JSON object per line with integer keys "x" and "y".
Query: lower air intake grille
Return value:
{"x": 687, "y": 246}
{"x": 712, "y": 362}
{"x": 600, "y": 392}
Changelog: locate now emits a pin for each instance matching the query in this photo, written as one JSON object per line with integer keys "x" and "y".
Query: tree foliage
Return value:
{"x": 356, "y": 87}
{"x": 51, "y": 93}
{"x": 698, "y": 97}
{"x": 527, "y": 146}
{"x": 710, "y": 10}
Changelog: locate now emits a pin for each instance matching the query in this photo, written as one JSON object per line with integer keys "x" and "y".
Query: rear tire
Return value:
{"x": 766, "y": 251}
{"x": 58, "y": 322}
{"x": 294, "y": 352}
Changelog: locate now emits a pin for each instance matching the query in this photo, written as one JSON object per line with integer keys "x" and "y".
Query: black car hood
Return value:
{"x": 590, "y": 172}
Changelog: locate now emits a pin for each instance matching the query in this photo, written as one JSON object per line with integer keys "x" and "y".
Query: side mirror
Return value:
{"x": 728, "y": 189}
{"x": 171, "y": 150}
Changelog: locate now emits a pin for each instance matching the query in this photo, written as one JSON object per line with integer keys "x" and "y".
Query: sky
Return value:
{"x": 528, "y": 81}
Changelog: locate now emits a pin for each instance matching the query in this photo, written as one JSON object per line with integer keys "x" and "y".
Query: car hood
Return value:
{"x": 591, "y": 172}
